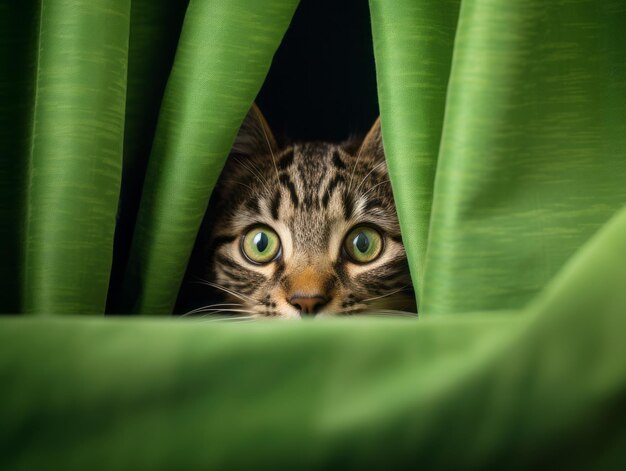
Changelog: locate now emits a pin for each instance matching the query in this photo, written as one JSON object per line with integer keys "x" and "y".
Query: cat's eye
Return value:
{"x": 363, "y": 244}
{"x": 260, "y": 245}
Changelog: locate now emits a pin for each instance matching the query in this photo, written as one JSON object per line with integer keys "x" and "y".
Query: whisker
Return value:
{"x": 231, "y": 319}
{"x": 256, "y": 174}
{"x": 258, "y": 171}
{"x": 267, "y": 141}
{"x": 386, "y": 313}
{"x": 358, "y": 156}
{"x": 252, "y": 169}
{"x": 374, "y": 187}
{"x": 241, "y": 296}
{"x": 193, "y": 311}
{"x": 369, "y": 173}
{"x": 235, "y": 182}
{"x": 385, "y": 295}
{"x": 215, "y": 311}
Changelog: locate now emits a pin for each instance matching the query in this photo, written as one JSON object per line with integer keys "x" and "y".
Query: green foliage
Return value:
{"x": 504, "y": 124}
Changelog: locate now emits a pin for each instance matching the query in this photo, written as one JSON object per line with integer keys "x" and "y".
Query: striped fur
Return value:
{"x": 311, "y": 195}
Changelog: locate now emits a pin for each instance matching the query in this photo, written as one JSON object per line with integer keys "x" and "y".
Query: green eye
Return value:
{"x": 363, "y": 244}
{"x": 260, "y": 244}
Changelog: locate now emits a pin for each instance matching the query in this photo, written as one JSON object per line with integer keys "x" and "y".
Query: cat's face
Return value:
{"x": 307, "y": 230}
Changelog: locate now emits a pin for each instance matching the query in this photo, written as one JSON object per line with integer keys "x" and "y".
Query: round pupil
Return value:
{"x": 361, "y": 242}
{"x": 261, "y": 241}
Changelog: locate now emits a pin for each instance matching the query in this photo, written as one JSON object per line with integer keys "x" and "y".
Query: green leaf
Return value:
{"x": 75, "y": 154}
{"x": 532, "y": 153}
{"x": 223, "y": 55}
{"x": 154, "y": 32}
{"x": 413, "y": 43}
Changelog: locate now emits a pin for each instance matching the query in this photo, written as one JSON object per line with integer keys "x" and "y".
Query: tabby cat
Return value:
{"x": 300, "y": 231}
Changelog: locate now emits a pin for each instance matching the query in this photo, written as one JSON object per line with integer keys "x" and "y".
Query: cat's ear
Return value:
{"x": 373, "y": 143}
{"x": 255, "y": 136}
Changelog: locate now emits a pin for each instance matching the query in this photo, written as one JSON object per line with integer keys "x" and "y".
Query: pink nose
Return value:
{"x": 308, "y": 304}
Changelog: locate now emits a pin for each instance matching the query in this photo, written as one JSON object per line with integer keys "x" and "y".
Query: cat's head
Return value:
{"x": 304, "y": 230}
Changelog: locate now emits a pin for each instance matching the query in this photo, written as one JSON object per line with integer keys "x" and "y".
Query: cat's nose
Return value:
{"x": 308, "y": 305}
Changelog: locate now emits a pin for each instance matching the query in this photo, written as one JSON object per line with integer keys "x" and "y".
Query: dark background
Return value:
{"x": 322, "y": 83}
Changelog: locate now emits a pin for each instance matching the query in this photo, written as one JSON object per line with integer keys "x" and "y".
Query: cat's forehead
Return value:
{"x": 316, "y": 161}
{"x": 313, "y": 189}
{"x": 312, "y": 181}
{"x": 314, "y": 155}
{"x": 326, "y": 180}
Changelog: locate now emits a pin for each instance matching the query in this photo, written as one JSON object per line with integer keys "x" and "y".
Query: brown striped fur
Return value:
{"x": 311, "y": 195}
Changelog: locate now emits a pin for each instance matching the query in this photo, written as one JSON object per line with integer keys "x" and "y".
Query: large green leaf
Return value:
{"x": 224, "y": 52}
{"x": 154, "y": 32}
{"x": 413, "y": 44}
{"x": 75, "y": 154}
{"x": 532, "y": 155}
{"x": 529, "y": 159}
{"x": 486, "y": 390}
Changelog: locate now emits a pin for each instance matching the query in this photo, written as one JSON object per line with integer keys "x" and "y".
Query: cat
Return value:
{"x": 306, "y": 230}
